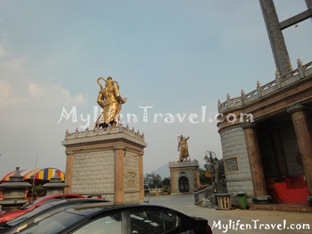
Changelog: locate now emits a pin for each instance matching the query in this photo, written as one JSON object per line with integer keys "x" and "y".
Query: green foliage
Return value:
{"x": 38, "y": 190}
{"x": 165, "y": 188}
{"x": 166, "y": 182}
{"x": 152, "y": 180}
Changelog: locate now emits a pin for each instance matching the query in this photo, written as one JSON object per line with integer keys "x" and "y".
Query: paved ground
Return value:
{"x": 236, "y": 220}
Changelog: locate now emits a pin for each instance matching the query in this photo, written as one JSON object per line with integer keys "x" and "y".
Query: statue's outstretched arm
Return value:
{"x": 121, "y": 100}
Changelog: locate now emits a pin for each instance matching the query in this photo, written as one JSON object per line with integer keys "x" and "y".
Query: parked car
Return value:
{"x": 9, "y": 215}
{"x": 115, "y": 219}
{"x": 34, "y": 216}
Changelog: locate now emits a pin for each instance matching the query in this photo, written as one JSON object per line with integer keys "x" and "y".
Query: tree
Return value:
{"x": 152, "y": 180}
{"x": 166, "y": 184}
{"x": 166, "y": 181}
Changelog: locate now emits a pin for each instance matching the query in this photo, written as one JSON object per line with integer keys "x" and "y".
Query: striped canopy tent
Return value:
{"x": 37, "y": 174}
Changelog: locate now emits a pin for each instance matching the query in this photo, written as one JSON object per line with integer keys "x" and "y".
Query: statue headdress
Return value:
{"x": 108, "y": 78}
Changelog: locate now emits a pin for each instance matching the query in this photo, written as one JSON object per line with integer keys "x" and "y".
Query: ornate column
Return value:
{"x": 119, "y": 171}
{"x": 196, "y": 179}
{"x": 304, "y": 138}
{"x": 141, "y": 177}
{"x": 69, "y": 171}
{"x": 172, "y": 180}
{"x": 256, "y": 167}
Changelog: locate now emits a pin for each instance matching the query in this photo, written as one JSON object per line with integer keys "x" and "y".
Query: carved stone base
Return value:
{"x": 106, "y": 163}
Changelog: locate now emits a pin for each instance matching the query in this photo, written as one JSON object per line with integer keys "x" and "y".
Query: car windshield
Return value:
{"x": 58, "y": 221}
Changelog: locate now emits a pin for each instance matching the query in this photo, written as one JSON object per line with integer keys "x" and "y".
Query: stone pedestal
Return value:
{"x": 106, "y": 162}
{"x": 184, "y": 177}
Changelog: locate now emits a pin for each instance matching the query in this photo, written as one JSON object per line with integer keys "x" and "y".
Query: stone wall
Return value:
{"x": 89, "y": 168}
{"x": 236, "y": 162}
{"x": 131, "y": 177}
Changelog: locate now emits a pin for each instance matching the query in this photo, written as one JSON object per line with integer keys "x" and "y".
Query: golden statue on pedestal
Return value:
{"x": 110, "y": 100}
{"x": 183, "y": 148}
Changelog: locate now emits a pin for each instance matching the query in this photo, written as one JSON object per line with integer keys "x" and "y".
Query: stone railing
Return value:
{"x": 204, "y": 197}
{"x": 106, "y": 131}
{"x": 302, "y": 71}
{"x": 184, "y": 163}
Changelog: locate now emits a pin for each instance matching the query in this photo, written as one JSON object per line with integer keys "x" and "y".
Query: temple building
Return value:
{"x": 266, "y": 139}
{"x": 266, "y": 133}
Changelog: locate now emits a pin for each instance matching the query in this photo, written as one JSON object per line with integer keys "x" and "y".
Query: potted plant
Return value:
{"x": 165, "y": 190}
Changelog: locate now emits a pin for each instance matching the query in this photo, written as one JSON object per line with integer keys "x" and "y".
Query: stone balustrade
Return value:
{"x": 280, "y": 82}
{"x": 184, "y": 163}
{"x": 106, "y": 131}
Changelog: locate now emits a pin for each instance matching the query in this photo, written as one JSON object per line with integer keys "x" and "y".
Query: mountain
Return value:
{"x": 163, "y": 171}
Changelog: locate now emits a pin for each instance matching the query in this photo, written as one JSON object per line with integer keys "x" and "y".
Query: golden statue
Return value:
{"x": 183, "y": 148}
{"x": 110, "y": 101}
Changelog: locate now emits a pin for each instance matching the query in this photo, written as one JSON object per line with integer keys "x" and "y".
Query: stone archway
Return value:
{"x": 184, "y": 186}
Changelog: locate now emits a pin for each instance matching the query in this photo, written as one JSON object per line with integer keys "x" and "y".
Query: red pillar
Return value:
{"x": 304, "y": 138}
{"x": 254, "y": 156}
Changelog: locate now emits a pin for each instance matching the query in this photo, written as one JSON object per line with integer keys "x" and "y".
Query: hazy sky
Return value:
{"x": 174, "y": 56}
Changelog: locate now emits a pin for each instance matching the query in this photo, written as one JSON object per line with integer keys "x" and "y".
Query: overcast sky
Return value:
{"x": 176, "y": 57}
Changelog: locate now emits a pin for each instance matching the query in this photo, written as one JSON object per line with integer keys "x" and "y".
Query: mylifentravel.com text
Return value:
{"x": 147, "y": 114}
{"x": 255, "y": 224}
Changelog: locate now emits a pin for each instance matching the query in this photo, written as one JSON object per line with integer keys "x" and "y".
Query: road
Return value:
{"x": 240, "y": 221}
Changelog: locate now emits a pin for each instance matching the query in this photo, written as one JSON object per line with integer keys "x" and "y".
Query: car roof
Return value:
{"x": 68, "y": 201}
{"x": 60, "y": 201}
{"x": 89, "y": 211}
{"x": 50, "y": 197}
{"x": 60, "y": 195}
{"x": 110, "y": 206}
